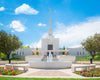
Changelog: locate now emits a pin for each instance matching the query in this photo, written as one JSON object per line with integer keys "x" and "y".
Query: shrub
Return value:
{"x": 13, "y": 54}
{"x": 97, "y": 57}
{"x": 3, "y": 56}
{"x": 37, "y": 53}
{"x": 89, "y": 57}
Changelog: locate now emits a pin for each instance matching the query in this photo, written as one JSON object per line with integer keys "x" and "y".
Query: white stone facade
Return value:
{"x": 50, "y": 41}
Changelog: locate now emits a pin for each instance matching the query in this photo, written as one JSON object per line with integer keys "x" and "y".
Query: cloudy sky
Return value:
{"x": 72, "y": 20}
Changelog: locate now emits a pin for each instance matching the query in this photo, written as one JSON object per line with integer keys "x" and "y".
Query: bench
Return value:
{"x": 18, "y": 67}
{"x": 83, "y": 67}
{"x": 9, "y": 66}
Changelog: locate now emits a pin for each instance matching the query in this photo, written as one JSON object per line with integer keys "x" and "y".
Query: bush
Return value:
{"x": 89, "y": 57}
{"x": 37, "y": 53}
{"x": 97, "y": 57}
{"x": 3, "y": 56}
{"x": 13, "y": 54}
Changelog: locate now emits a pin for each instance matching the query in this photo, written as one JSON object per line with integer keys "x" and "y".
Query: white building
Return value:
{"x": 50, "y": 43}
{"x": 78, "y": 52}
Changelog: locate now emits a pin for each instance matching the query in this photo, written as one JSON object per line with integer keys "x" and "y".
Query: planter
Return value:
{"x": 89, "y": 73}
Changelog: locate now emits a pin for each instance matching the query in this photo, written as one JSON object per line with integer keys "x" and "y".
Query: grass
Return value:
{"x": 85, "y": 59}
{"x": 15, "y": 78}
{"x": 14, "y": 60}
{"x": 82, "y": 60}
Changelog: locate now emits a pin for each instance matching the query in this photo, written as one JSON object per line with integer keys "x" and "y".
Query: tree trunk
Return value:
{"x": 8, "y": 56}
{"x": 92, "y": 56}
{"x": 91, "y": 60}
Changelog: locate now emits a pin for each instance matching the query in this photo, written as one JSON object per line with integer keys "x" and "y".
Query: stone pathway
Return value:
{"x": 50, "y": 73}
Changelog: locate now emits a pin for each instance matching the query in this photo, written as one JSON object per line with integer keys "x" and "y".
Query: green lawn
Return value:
{"x": 85, "y": 59}
{"x": 11, "y": 78}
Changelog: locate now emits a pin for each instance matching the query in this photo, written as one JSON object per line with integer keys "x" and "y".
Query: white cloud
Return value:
{"x": 35, "y": 44}
{"x": 1, "y": 24}
{"x": 25, "y": 9}
{"x": 2, "y": 8}
{"x": 72, "y": 36}
{"x": 12, "y": 31}
{"x": 41, "y": 24}
{"x": 17, "y": 26}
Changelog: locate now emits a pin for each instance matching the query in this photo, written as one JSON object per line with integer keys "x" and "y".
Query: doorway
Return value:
{"x": 50, "y": 47}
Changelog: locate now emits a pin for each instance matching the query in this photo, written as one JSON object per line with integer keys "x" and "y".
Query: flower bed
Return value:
{"x": 89, "y": 73}
{"x": 8, "y": 72}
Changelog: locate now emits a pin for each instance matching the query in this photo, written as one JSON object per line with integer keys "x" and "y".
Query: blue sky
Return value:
{"x": 72, "y": 20}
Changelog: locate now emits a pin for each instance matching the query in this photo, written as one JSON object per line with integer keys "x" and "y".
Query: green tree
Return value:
{"x": 63, "y": 49}
{"x": 8, "y": 43}
{"x": 97, "y": 42}
{"x": 92, "y": 44}
{"x": 37, "y": 53}
{"x": 25, "y": 47}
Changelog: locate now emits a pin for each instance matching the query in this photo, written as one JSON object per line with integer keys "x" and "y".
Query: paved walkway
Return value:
{"x": 50, "y": 73}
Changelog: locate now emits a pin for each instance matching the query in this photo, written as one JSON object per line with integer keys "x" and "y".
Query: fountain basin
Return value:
{"x": 51, "y": 65}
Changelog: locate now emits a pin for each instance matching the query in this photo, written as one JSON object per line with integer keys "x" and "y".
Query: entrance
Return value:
{"x": 50, "y": 47}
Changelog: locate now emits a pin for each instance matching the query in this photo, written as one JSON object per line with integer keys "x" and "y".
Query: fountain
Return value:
{"x": 50, "y": 57}
{"x": 35, "y": 61}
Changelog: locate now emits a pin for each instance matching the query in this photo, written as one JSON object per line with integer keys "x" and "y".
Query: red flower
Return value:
{"x": 88, "y": 73}
{"x": 97, "y": 73}
{"x": 83, "y": 73}
{"x": 11, "y": 70}
{"x": 6, "y": 72}
{"x": 1, "y": 74}
{"x": 15, "y": 73}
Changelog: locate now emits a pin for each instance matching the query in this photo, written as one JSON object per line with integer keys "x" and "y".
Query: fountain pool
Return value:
{"x": 51, "y": 64}
{"x": 36, "y": 62}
